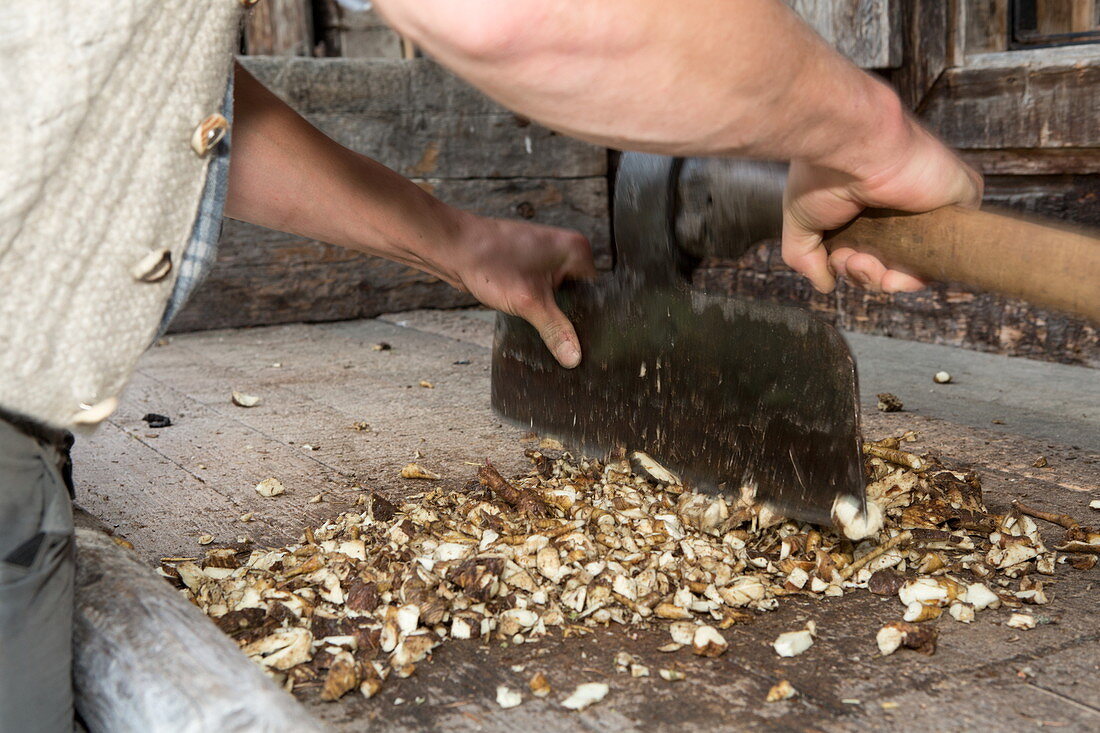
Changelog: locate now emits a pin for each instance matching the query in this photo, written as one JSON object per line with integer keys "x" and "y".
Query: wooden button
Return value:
{"x": 153, "y": 267}
{"x": 208, "y": 134}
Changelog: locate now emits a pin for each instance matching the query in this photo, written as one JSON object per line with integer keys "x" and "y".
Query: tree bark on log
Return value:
{"x": 147, "y": 660}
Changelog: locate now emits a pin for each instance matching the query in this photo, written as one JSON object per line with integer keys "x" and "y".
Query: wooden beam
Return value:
{"x": 279, "y": 28}
{"x": 926, "y": 30}
{"x": 1042, "y": 98}
{"x": 355, "y": 34}
{"x": 1030, "y": 161}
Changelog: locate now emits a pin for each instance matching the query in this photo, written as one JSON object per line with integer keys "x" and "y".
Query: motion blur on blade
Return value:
{"x": 730, "y": 393}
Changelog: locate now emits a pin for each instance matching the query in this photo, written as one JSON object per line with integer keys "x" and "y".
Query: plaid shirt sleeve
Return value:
{"x": 202, "y": 249}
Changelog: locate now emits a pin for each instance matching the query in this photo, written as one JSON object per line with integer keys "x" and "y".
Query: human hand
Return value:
{"x": 923, "y": 175}
{"x": 515, "y": 267}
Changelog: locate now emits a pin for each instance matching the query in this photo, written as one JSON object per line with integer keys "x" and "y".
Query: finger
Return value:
{"x": 557, "y": 333}
{"x": 838, "y": 260}
{"x": 971, "y": 198}
{"x": 865, "y": 270}
{"x": 899, "y": 282}
{"x": 804, "y": 253}
{"x": 581, "y": 266}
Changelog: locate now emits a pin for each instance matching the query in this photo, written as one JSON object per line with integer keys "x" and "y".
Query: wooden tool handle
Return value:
{"x": 1053, "y": 267}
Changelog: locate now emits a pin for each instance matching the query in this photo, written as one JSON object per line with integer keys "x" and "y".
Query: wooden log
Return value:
{"x": 147, "y": 660}
{"x": 279, "y": 28}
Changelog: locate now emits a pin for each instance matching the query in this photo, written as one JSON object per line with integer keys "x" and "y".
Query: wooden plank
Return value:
{"x": 925, "y": 27}
{"x": 1065, "y": 16}
{"x": 279, "y": 28}
{"x": 422, "y": 121}
{"x": 1035, "y": 99}
{"x": 266, "y": 277}
{"x": 355, "y": 34}
{"x": 986, "y": 25}
{"x": 1030, "y": 161}
{"x": 866, "y": 31}
{"x": 330, "y": 373}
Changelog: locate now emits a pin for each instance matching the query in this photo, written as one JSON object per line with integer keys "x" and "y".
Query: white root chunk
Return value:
{"x": 782, "y": 690}
{"x": 793, "y": 643}
{"x": 241, "y": 399}
{"x": 707, "y": 642}
{"x": 1021, "y": 621}
{"x": 888, "y": 639}
{"x": 962, "y": 612}
{"x": 270, "y": 487}
{"x": 853, "y": 521}
{"x": 415, "y": 470}
{"x": 980, "y": 597}
{"x": 587, "y": 694}
{"x": 508, "y": 698}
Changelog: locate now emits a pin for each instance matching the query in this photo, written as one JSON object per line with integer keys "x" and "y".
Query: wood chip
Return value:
{"x": 242, "y": 399}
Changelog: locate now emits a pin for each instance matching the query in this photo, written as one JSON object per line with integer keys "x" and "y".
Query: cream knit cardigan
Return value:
{"x": 99, "y": 186}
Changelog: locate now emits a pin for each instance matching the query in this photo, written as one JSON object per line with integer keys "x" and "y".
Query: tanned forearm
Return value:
{"x": 695, "y": 77}
{"x": 284, "y": 174}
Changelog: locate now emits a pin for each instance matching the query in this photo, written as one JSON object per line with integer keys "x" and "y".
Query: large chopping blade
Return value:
{"x": 726, "y": 391}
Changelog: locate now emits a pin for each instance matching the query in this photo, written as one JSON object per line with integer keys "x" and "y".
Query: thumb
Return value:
{"x": 557, "y": 333}
{"x": 804, "y": 252}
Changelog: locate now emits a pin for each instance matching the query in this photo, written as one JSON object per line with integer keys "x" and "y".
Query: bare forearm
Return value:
{"x": 284, "y": 174}
{"x": 742, "y": 77}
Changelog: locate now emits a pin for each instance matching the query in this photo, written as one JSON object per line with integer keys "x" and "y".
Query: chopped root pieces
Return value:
{"x": 858, "y": 520}
{"x": 897, "y": 634}
{"x": 707, "y": 642}
{"x": 523, "y": 499}
{"x": 539, "y": 685}
{"x": 889, "y": 402}
{"x": 578, "y": 544}
{"x": 1023, "y": 621}
{"x": 586, "y": 695}
{"x": 793, "y": 643}
{"x": 508, "y": 698}
{"x": 941, "y": 378}
{"x": 270, "y": 487}
{"x": 415, "y": 470}
{"x": 900, "y": 457}
{"x": 782, "y": 690}
{"x": 240, "y": 399}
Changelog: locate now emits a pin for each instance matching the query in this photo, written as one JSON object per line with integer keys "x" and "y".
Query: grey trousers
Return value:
{"x": 36, "y": 583}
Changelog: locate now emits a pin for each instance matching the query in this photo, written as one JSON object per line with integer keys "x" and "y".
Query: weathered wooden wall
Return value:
{"x": 1026, "y": 119}
{"x": 279, "y": 28}
{"x": 354, "y": 35}
{"x": 427, "y": 125}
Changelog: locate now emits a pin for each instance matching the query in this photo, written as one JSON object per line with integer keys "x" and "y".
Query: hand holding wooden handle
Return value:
{"x": 1049, "y": 266}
